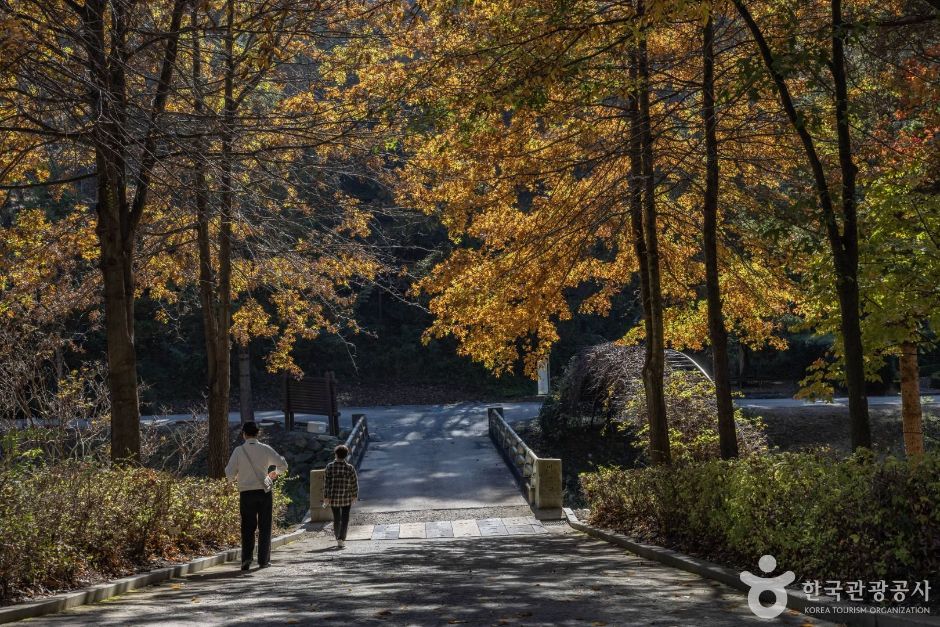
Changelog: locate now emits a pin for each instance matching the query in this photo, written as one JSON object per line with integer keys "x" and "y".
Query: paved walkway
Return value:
{"x": 442, "y": 536}
{"x": 556, "y": 578}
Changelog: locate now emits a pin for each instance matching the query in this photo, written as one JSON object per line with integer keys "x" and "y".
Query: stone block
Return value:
{"x": 386, "y": 532}
{"x": 359, "y": 532}
{"x": 318, "y": 513}
{"x": 441, "y": 529}
{"x": 466, "y": 529}
{"x": 492, "y": 527}
{"x": 519, "y": 530}
{"x": 548, "y": 485}
{"x": 412, "y": 530}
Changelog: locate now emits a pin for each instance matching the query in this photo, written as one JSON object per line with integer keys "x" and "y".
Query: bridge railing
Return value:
{"x": 357, "y": 442}
{"x": 539, "y": 477}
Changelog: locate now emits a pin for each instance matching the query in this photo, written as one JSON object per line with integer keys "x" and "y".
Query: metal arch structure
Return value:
{"x": 678, "y": 360}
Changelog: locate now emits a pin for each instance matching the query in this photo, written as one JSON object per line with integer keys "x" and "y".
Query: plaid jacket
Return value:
{"x": 341, "y": 484}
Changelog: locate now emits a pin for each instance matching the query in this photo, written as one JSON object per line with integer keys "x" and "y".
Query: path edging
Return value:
{"x": 102, "y": 591}
{"x": 796, "y": 600}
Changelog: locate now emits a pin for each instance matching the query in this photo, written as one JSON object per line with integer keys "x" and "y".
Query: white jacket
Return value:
{"x": 257, "y": 455}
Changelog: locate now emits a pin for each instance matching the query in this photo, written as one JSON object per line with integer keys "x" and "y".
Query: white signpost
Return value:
{"x": 543, "y": 377}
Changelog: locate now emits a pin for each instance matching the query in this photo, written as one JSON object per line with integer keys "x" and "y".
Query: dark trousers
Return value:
{"x": 340, "y": 521}
{"x": 256, "y": 508}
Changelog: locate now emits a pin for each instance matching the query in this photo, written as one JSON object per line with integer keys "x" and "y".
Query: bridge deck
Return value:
{"x": 436, "y": 458}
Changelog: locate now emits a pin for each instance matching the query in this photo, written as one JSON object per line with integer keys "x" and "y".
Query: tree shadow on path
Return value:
{"x": 552, "y": 579}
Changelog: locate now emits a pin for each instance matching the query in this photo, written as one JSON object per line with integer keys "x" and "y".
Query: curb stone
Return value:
{"x": 850, "y": 614}
{"x": 100, "y": 592}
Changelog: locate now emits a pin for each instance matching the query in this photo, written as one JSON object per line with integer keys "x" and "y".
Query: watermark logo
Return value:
{"x": 758, "y": 584}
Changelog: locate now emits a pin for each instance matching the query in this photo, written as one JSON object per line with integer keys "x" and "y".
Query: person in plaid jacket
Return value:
{"x": 340, "y": 490}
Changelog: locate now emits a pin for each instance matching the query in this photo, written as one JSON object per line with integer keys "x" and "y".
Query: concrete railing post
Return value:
{"x": 548, "y": 484}
{"x": 318, "y": 513}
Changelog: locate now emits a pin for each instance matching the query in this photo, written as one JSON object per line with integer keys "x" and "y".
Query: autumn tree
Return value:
{"x": 94, "y": 79}
{"x": 270, "y": 138}
{"x": 531, "y": 141}
{"x": 718, "y": 334}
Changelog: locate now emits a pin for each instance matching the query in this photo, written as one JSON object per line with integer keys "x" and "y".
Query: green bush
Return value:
{"x": 822, "y": 517}
{"x": 602, "y": 385}
{"x": 74, "y": 522}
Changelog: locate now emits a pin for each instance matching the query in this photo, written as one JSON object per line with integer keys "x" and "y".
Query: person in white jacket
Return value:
{"x": 250, "y": 466}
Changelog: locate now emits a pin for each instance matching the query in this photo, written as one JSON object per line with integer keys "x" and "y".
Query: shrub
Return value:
{"x": 693, "y": 420}
{"x": 604, "y": 382}
{"x": 823, "y": 518}
{"x": 70, "y": 523}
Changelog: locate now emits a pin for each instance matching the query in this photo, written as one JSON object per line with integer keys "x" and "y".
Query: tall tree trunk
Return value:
{"x": 911, "y": 418}
{"x": 220, "y": 384}
{"x": 635, "y": 152}
{"x": 104, "y": 31}
{"x": 244, "y": 384}
{"x": 115, "y": 238}
{"x": 655, "y": 361}
{"x": 843, "y": 242}
{"x": 718, "y": 335}
{"x": 122, "y": 355}
{"x": 847, "y": 278}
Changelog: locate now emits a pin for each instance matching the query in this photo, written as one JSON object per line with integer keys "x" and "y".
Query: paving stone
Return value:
{"x": 359, "y": 532}
{"x": 492, "y": 527}
{"x": 517, "y": 520}
{"x": 442, "y": 529}
{"x": 466, "y": 529}
{"x": 519, "y": 530}
{"x": 412, "y": 530}
{"x": 386, "y": 532}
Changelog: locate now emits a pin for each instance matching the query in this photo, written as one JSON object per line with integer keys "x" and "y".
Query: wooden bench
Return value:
{"x": 311, "y": 395}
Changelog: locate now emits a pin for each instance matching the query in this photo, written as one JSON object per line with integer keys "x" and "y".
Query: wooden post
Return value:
{"x": 288, "y": 412}
{"x": 244, "y": 384}
{"x": 334, "y": 411}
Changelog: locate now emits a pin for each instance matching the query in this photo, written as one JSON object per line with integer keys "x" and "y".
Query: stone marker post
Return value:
{"x": 548, "y": 485}
{"x": 543, "y": 381}
{"x": 318, "y": 513}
